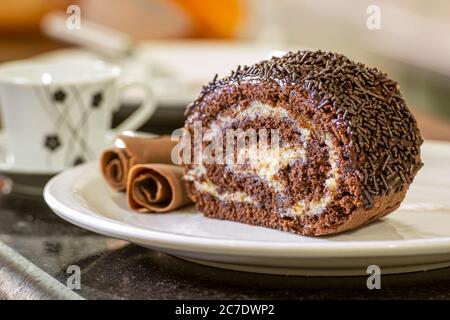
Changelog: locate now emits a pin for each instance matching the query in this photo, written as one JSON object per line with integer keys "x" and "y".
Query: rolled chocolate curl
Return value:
{"x": 115, "y": 163}
{"x": 156, "y": 187}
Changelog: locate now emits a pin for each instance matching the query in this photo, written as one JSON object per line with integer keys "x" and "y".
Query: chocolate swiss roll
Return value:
{"x": 311, "y": 143}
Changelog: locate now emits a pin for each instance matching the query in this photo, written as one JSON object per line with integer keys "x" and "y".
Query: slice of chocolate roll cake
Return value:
{"x": 311, "y": 143}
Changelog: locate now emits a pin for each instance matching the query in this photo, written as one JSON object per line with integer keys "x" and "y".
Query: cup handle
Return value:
{"x": 139, "y": 116}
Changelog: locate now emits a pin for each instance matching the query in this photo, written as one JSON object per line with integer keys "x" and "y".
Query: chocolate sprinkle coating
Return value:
{"x": 384, "y": 140}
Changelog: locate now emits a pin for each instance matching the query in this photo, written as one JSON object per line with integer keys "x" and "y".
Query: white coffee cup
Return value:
{"x": 56, "y": 115}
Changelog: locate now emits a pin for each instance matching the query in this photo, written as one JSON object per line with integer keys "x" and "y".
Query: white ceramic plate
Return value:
{"x": 416, "y": 237}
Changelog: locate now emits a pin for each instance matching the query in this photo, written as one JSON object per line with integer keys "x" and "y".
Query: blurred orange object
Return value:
{"x": 214, "y": 18}
{"x": 20, "y": 16}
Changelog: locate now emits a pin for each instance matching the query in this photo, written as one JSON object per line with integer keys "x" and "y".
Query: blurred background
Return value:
{"x": 411, "y": 42}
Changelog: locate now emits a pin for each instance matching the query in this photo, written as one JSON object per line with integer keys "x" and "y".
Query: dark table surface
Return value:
{"x": 114, "y": 269}
{"x": 40, "y": 246}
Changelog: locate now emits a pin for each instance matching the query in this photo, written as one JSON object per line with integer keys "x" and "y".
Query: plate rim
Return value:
{"x": 163, "y": 240}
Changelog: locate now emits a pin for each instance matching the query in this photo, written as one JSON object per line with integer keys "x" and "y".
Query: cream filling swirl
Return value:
{"x": 266, "y": 163}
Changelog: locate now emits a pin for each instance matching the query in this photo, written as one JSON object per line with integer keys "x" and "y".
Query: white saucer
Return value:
{"x": 416, "y": 237}
{"x": 29, "y": 180}
{"x": 26, "y": 180}
{"x": 12, "y": 168}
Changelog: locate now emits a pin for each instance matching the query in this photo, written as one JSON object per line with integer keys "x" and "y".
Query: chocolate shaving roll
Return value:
{"x": 116, "y": 162}
{"x": 156, "y": 187}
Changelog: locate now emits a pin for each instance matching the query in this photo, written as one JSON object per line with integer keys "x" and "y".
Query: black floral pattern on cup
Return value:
{"x": 78, "y": 160}
{"x": 70, "y": 131}
{"x": 52, "y": 142}
{"x": 97, "y": 99}
{"x": 59, "y": 96}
